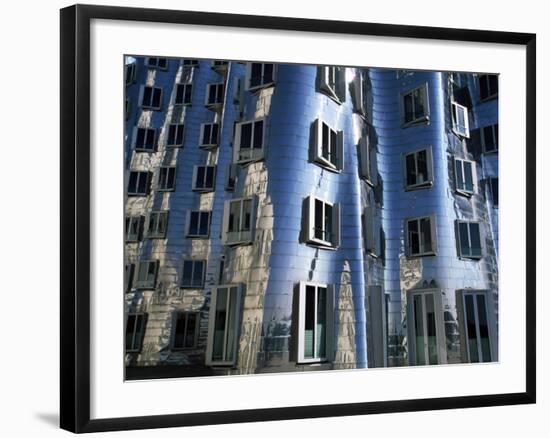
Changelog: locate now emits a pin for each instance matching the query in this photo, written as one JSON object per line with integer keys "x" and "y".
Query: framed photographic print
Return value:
{"x": 252, "y": 204}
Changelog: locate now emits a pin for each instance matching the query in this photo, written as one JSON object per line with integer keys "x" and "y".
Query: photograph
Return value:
{"x": 288, "y": 218}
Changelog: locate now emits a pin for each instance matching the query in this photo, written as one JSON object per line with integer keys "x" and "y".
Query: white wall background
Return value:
{"x": 29, "y": 328}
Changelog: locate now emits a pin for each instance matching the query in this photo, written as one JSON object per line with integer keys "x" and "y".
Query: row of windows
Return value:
{"x": 315, "y": 326}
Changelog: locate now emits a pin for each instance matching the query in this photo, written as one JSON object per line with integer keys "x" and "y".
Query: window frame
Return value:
{"x": 132, "y": 68}
{"x": 146, "y": 284}
{"x": 359, "y": 93}
{"x": 245, "y": 237}
{"x": 142, "y": 148}
{"x": 248, "y": 76}
{"x": 184, "y": 102}
{"x": 236, "y": 144}
{"x": 473, "y": 166}
{"x": 210, "y": 144}
{"x": 429, "y": 167}
{"x": 173, "y": 335}
{"x": 189, "y": 62}
{"x": 128, "y": 222}
{"x": 142, "y": 96}
{"x": 494, "y": 130}
{"x": 425, "y": 117}
{"x": 135, "y": 348}
{"x": 337, "y": 93}
{"x": 179, "y": 131}
{"x": 156, "y": 65}
{"x": 153, "y": 218}
{"x": 214, "y": 105}
{"x": 329, "y": 322}
{"x": 203, "y": 273}
{"x": 455, "y": 107}
{"x": 204, "y": 188}
{"x": 490, "y": 96}
{"x": 433, "y": 236}
{"x": 188, "y": 224}
{"x": 317, "y": 152}
{"x": 147, "y": 183}
{"x": 163, "y": 183}
{"x": 469, "y": 256}
{"x": 309, "y": 222}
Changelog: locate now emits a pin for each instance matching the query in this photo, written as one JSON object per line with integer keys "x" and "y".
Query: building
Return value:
{"x": 295, "y": 217}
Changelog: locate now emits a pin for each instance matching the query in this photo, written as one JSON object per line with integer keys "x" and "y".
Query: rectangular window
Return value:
{"x": 209, "y": 135}
{"x": 186, "y": 330}
{"x": 493, "y": 189}
{"x": 489, "y": 138}
{"x": 128, "y": 277}
{"x": 160, "y": 63}
{"x": 204, "y": 178}
{"x": 239, "y": 221}
{"x": 144, "y": 139}
{"x": 158, "y": 222}
{"x": 183, "y": 94}
{"x": 133, "y": 228}
{"x": 365, "y": 161}
{"x": 130, "y": 73}
{"x": 359, "y": 93}
{"x": 460, "y": 120}
{"x": 175, "y": 135}
{"x": 328, "y": 146}
{"x": 488, "y": 86}
{"x": 150, "y": 98}
{"x": 224, "y": 322}
{"x": 135, "y": 329}
{"x": 372, "y": 231}
{"x": 425, "y": 328}
{"x": 231, "y": 177}
{"x": 193, "y": 273}
{"x": 249, "y": 141}
{"x": 191, "y": 62}
{"x": 166, "y": 179}
{"x": 331, "y": 80}
{"x": 147, "y": 274}
{"x": 259, "y": 75}
{"x": 322, "y": 222}
{"x": 415, "y": 105}
{"x": 214, "y": 94}
{"x": 421, "y": 237}
{"x": 138, "y": 183}
{"x": 476, "y": 327}
{"x": 418, "y": 169}
{"x": 469, "y": 239}
{"x": 315, "y": 319}
{"x": 465, "y": 176}
{"x": 198, "y": 223}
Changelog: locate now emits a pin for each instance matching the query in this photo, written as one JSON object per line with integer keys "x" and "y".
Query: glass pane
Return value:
{"x": 219, "y": 96}
{"x": 190, "y": 330}
{"x": 483, "y": 328}
{"x": 422, "y": 167}
{"x": 214, "y": 137}
{"x": 140, "y": 137}
{"x": 198, "y": 273}
{"x": 209, "y": 177}
{"x": 475, "y": 240}
{"x": 212, "y": 94}
{"x": 132, "y": 184}
{"x": 321, "y": 326}
{"x": 431, "y": 327}
{"x": 493, "y": 84}
{"x": 419, "y": 330}
{"x": 464, "y": 239}
{"x": 171, "y": 176}
{"x": 146, "y": 96}
{"x": 418, "y": 103}
{"x": 130, "y": 330}
{"x": 179, "y": 335}
{"x": 459, "y": 175}
{"x": 188, "y": 90}
{"x": 206, "y": 134}
{"x": 471, "y": 333}
{"x": 151, "y": 271}
{"x": 204, "y": 219}
{"x": 179, "y": 94}
{"x": 231, "y": 320}
{"x": 219, "y": 324}
{"x": 234, "y": 215}
{"x": 256, "y": 74}
{"x": 414, "y": 237}
{"x": 468, "y": 177}
{"x": 150, "y": 142}
{"x": 194, "y": 223}
{"x": 246, "y": 135}
{"x": 258, "y": 134}
{"x": 247, "y": 214}
{"x": 408, "y": 106}
{"x": 483, "y": 90}
{"x": 460, "y": 118}
{"x": 410, "y": 169}
{"x": 187, "y": 273}
{"x": 309, "y": 323}
{"x": 333, "y": 143}
{"x": 268, "y": 73}
{"x": 142, "y": 184}
{"x": 318, "y": 226}
{"x": 156, "y": 97}
{"x": 200, "y": 177}
{"x": 171, "y": 134}
{"x": 494, "y": 191}
{"x": 426, "y": 235}
{"x": 328, "y": 223}
{"x": 325, "y": 145}
{"x": 489, "y": 138}
{"x": 179, "y": 134}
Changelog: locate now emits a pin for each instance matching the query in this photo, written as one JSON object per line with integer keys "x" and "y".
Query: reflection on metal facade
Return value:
{"x": 294, "y": 217}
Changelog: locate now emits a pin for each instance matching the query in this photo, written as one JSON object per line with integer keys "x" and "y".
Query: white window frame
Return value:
{"x": 429, "y": 165}
{"x": 420, "y": 118}
{"x": 207, "y": 95}
{"x": 184, "y": 86}
{"x": 309, "y": 223}
{"x": 130, "y": 221}
{"x": 439, "y": 325}
{"x": 262, "y": 84}
{"x": 203, "y": 188}
{"x": 163, "y": 183}
{"x": 336, "y": 149}
{"x": 433, "y": 236}
{"x": 253, "y": 155}
{"x": 331, "y": 81}
{"x": 154, "y": 220}
{"x": 209, "y": 144}
{"x": 142, "y": 174}
{"x": 153, "y": 62}
{"x": 489, "y": 95}
{"x": 459, "y": 240}
{"x": 136, "y": 336}
{"x": 329, "y": 321}
{"x": 142, "y": 147}
{"x": 148, "y": 283}
{"x": 239, "y": 237}
{"x": 179, "y": 131}
{"x": 185, "y": 314}
{"x": 494, "y": 129}
{"x": 225, "y": 361}
{"x": 131, "y": 69}
{"x": 201, "y": 215}
{"x": 463, "y": 162}
{"x": 462, "y": 131}
{"x": 150, "y": 105}
{"x": 202, "y": 275}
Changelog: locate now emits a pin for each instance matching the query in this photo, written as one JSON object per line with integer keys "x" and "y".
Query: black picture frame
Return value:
{"x": 75, "y": 217}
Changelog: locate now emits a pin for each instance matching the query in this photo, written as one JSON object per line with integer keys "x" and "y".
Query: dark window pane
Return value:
{"x": 328, "y": 223}
{"x": 459, "y": 175}
{"x": 206, "y": 134}
{"x": 190, "y": 331}
{"x": 426, "y": 235}
{"x": 321, "y": 326}
{"x": 219, "y": 324}
{"x": 132, "y": 184}
{"x": 204, "y": 219}
{"x": 268, "y": 73}
{"x": 493, "y": 84}
{"x": 432, "y": 333}
{"x": 483, "y": 328}
{"x": 179, "y": 331}
{"x": 246, "y": 135}
{"x": 475, "y": 239}
{"x": 309, "y": 323}
{"x": 419, "y": 330}
{"x": 489, "y": 138}
{"x": 150, "y": 142}
{"x": 140, "y": 137}
{"x": 464, "y": 240}
{"x": 142, "y": 184}
{"x": 187, "y": 272}
{"x": 318, "y": 226}
{"x": 410, "y": 169}
{"x": 471, "y": 332}
{"x": 414, "y": 237}
{"x": 212, "y": 94}
{"x": 146, "y": 96}
{"x": 156, "y": 97}
{"x": 325, "y": 145}
{"x": 483, "y": 87}
{"x": 194, "y": 225}
{"x": 198, "y": 273}
{"x": 188, "y": 91}
{"x": 418, "y": 103}
{"x": 200, "y": 176}
{"x": 258, "y": 134}
{"x": 214, "y": 137}
{"x": 408, "y": 107}
{"x": 256, "y": 75}
{"x": 422, "y": 167}
{"x": 468, "y": 177}
{"x": 130, "y": 330}
{"x": 247, "y": 213}
{"x": 494, "y": 190}
{"x": 209, "y": 177}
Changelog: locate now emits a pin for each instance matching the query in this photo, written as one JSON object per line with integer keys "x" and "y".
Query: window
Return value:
{"x": 191, "y": 62}
{"x": 133, "y": 228}
{"x": 359, "y": 93}
{"x": 421, "y": 237}
{"x": 469, "y": 239}
{"x": 239, "y": 218}
{"x": 365, "y": 161}
{"x": 219, "y": 66}
{"x": 231, "y": 177}
{"x": 465, "y": 176}
{"x": 259, "y": 75}
{"x": 160, "y": 63}
{"x": 147, "y": 274}
{"x": 489, "y": 138}
{"x": 493, "y": 190}
{"x": 175, "y": 135}
{"x": 144, "y": 139}
{"x": 127, "y": 108}
{"x": 158, "y": 222}
{"x": 224, "y": 323}
{"x": 198, "y": 223}
{"x": 321, "y": 222}
{"x": 476, "y": 332}
{"x": 214, "y": 95}
{"x": 129, "y": 73}
{"x": 249, "y": 141}
{"x": 372, "y": 231}
{"x": 328, "y": 146}
{"x": 138, "y": 184}
{"x": 186, "y": 333}
{"x": 427, "y": 346}
{"x": 128, "y": 276}
{"x": 488, "y": 86}
{"x": 193, "y": 273}
{"x": 418, "y": 169}
{"x": 167, "y": 179}
{"x": 209, "y": 135}
{"x": 135, "y": 329}
{"x": 331, "y": 81}
{"x": 204, "y": 178}
{"x": 183, "y": 94}
{"x": 315, "y": 320}
{"x": 460, "y": 120}
{"x": 415, "y": 106}
{"x": 150, "y": 97}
